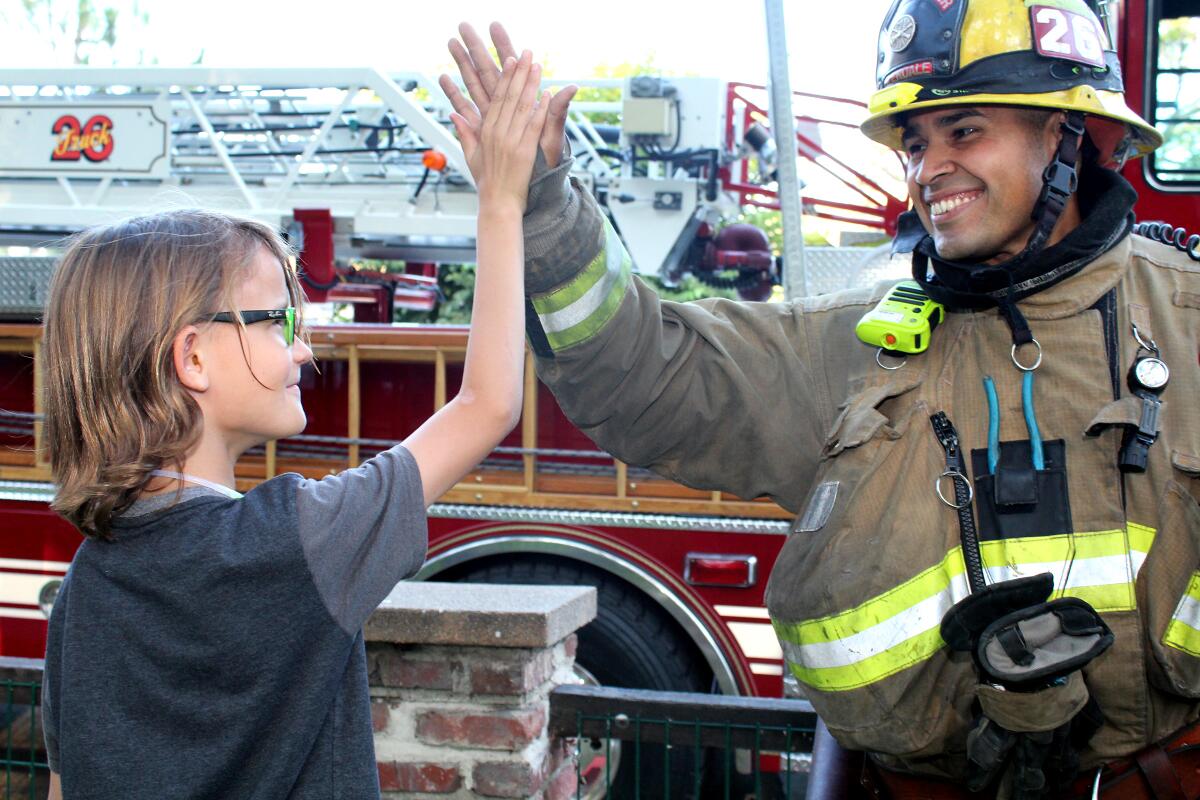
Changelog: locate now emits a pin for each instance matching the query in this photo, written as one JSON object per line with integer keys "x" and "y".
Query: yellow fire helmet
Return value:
{"x": 1038, "y": 53}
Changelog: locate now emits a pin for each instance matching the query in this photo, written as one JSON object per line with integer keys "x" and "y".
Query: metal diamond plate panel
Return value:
{"x": 24, "y": 283}
{"x": 832, "y": 269}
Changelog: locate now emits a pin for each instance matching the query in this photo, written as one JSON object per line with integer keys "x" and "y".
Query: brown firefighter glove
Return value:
{"x": 1035, "y": 710}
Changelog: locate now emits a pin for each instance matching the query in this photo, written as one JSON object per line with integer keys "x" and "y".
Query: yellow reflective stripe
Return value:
{"x": 576, "y": 288}
{"x": 1089, "y": 544}
{"x": 891, "y": 631}
{"x": 578, "y": 310}
{"x": 1114, "y": 597}
{"x": 878, "y": 609}
{"x": 1097, "y": 566}
{"x": 595, "y": 321}
{"x": 1182, "y": 633}
{"x": 1141, "y": 537}
{"x": 871, "y": 669}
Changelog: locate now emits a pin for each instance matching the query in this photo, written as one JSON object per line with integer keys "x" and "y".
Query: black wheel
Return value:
{"x": 631, "y": 643}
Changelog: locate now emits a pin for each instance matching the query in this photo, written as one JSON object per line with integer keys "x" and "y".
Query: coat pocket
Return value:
{"x": 1172, "y": 590}
{"x": 864, "y": 414}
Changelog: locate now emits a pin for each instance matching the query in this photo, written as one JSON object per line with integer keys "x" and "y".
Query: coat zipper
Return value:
{"x": 956, "y": 470}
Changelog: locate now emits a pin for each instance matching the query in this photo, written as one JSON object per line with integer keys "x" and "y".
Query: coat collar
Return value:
{"x": 1082, "y": 290}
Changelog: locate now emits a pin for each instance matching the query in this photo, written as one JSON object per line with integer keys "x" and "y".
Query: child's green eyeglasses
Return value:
{"x": 286, "y": 315}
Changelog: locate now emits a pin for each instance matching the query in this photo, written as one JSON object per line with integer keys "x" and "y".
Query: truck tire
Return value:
{"x": 632, "y": 643}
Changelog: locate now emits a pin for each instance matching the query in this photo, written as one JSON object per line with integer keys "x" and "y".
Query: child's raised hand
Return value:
{"x": 500, "y": 148}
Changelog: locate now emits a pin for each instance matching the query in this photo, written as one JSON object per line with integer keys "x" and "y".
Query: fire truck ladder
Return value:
{"x": 260, "y": 142}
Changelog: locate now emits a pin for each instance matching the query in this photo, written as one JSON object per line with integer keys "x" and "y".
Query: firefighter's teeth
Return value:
{"x": 942, "y": 206}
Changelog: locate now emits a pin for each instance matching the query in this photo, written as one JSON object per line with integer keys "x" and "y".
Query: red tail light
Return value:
{"x": 716, "y": 569}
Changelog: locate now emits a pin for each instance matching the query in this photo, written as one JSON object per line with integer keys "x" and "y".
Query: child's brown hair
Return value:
{"x": 114, "y": 408}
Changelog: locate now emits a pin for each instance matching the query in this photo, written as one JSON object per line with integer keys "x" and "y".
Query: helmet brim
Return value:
{"x": 883, "y": 124}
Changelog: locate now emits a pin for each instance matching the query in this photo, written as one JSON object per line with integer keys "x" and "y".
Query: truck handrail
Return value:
{"x": 526, "y": 475}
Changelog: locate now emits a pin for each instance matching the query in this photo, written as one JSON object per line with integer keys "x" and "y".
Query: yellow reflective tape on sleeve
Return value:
{"x": 1183, "y": 632}
{"x": 900, "y": 627}
{"x": 578, "y": 310}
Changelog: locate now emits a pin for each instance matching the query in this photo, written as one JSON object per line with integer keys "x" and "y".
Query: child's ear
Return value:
{"x": 190, "y": 363}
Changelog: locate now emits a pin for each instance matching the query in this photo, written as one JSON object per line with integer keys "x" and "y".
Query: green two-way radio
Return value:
{"x": 902, "y": 321}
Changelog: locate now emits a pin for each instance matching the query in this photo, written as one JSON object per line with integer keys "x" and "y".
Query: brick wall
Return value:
{"x": 469, "y": 720}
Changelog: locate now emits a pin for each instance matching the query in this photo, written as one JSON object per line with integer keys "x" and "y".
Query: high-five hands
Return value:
{"x": 500, "y": 145}
{"x": 482, "y": 78}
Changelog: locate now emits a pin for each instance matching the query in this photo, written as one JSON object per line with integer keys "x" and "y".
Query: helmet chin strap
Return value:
{"x": 1059, "y": 181}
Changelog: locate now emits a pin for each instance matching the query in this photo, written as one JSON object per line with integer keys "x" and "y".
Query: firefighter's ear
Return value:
{"x": 190, "y": 360}
{"x": 1052, "y": 132}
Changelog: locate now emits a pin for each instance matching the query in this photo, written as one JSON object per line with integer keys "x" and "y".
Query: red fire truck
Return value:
{"x": 355, "y": 163}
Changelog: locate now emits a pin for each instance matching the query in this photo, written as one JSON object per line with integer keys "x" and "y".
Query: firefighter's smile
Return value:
{"x": 948, "y": 207}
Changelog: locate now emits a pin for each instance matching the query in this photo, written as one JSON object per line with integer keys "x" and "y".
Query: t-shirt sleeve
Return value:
{"x": 49, "y": 724}
{"x": 362, "y": 531}
{"x": 50, "y": 670}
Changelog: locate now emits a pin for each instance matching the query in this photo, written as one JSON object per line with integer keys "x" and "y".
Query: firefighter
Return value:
{"x": 993, "y": 581}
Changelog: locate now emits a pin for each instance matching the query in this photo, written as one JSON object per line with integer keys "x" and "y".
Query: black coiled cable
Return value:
{"x": 1167, "y": 233}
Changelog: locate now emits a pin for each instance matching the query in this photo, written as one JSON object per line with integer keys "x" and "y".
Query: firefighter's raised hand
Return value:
{"x": 481, "y": 76}
{"x": 500, "y": 148}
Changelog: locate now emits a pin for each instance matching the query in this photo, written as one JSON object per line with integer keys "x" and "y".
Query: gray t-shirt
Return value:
{"x": 215, "y": 649}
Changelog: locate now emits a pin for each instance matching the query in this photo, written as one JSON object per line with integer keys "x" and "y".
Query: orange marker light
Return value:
{"x": 889, "y": 338}
{"x": 434, "y": 160}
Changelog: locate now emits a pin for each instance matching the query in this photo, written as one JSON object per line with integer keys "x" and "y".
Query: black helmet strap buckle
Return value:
{"x": 1059, "y": 181}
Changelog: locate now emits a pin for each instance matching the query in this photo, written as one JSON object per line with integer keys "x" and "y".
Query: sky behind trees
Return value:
{"x": 831, "y": 45}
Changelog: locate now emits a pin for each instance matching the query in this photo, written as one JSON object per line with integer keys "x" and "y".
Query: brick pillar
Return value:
{"x": 460, "y": 682}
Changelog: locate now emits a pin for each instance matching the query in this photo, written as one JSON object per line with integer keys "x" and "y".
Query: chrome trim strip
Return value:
{"x": 619, "y": 519}
{"x": 654, "y": 588}
{"x": 28, "y": 491}
{"x": 35, "y": 491}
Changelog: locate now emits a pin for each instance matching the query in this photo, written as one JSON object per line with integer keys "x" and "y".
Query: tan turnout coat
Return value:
{"x": 783, "y": 400}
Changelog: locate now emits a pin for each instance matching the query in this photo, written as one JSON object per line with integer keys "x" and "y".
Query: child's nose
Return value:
{"x": 301, "y": 352}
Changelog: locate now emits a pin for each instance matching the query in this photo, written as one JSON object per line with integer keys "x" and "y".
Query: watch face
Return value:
{"x": 1151, "y": 373}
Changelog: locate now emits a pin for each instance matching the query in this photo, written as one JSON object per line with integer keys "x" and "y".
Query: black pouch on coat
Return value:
{"x": 967, "y": 619}
{"x": 1017, "y": 500}
{"x": 1032, "y": 647}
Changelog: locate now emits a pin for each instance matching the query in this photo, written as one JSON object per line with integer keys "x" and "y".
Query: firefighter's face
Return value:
{"x": 254, "y": 394}
{"x": 974, "y": 175}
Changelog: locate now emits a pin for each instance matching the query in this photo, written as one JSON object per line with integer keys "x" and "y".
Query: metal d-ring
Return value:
{"x": 1036, "y": 363}
{"x": 879, "y": 361}
{"x": 1151, "y": 347}
{"x": 954, "y": 475}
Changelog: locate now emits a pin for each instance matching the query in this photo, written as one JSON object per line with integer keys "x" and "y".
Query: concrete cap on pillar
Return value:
{"x": 481, "y": 615}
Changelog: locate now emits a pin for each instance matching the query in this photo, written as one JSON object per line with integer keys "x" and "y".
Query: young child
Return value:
{"x": 208, "y": 644}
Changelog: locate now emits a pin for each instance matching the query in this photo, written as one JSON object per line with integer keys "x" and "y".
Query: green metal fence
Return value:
{"x": 641, "y": 744}
{"x": 631, "y": 743}
{"x": 24, "y": 773}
